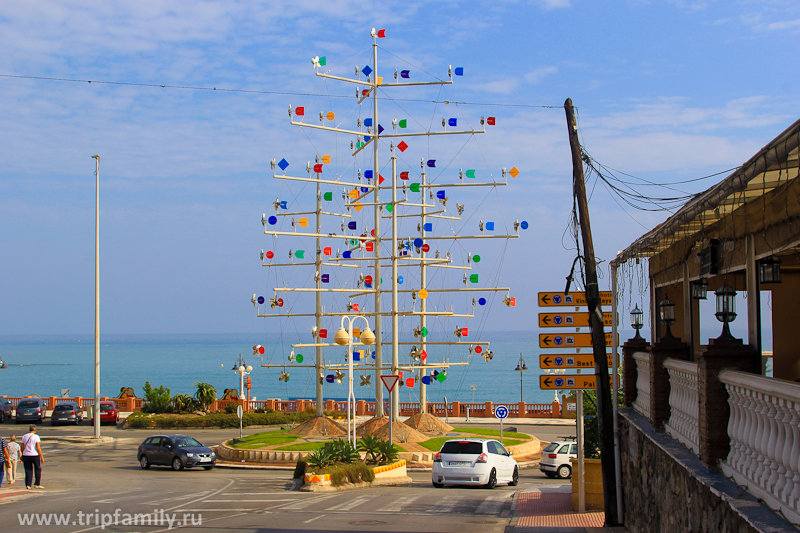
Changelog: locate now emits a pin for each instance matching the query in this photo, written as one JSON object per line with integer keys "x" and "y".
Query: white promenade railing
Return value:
{"x": 684, "y": 403}
{"x": 765, "y": 439}
{"x": 642, "y": 403}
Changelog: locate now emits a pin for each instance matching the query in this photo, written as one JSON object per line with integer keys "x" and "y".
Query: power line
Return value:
{"x": 253, "y": 91}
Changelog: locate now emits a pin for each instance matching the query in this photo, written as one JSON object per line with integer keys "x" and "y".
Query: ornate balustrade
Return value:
{"x": 765, "y": 439}
{"x": 642, "y": 403}
{"x": 684, "y": 403}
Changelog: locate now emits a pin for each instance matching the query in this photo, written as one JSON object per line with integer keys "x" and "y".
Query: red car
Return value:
{"x": 108, "y": 413}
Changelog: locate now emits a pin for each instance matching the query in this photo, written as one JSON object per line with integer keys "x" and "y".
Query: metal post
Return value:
{"x": 615, "y": 389}
{"x": 96, "y": 409}
{"x": 318, "y": 312}
{"x": 377, "y": 270}
{"x": 423, "y": 277}
{"x": 579, "y": 433}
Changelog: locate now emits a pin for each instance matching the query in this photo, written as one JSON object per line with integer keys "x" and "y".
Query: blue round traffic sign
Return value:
{"x": 501, "y": 411}
{"x": 558, "y": 340}
{"x": 557, "y": 320}
{"x": 559, "y": 361}
{"x": 559, "y": 382}
{"x": 557, "y": 299}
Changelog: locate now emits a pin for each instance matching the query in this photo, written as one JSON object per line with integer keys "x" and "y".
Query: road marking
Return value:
{"x": 229, "y": 509}
{"x": 257, "y": 493}
{"x": 446, "y": 504}
{"x": 399, "y": 503}
{"x": 302, "y": 504}
{"x": 492, "y": 505}
{"x": 240, "y": 500}
{"x": 312, "y": 519}
{"x": 348, "y": 505}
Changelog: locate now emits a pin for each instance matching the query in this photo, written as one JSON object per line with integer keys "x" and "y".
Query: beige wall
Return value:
{"x": 785, "y": 327}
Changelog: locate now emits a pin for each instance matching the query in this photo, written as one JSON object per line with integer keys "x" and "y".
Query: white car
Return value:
{"x": 474, "y": 462}
{"x": 555, "y": 459}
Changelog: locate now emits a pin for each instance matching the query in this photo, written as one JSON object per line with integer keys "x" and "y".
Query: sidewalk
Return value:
{"x": 548, "y": 509}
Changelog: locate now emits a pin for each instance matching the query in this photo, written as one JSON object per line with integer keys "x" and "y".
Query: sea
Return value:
{"x": 56, "y": 365}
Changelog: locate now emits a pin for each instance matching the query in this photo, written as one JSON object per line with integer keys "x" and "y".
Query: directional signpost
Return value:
{"x": 569, "y": 340}
{"x": 577, "y": 320}
{"x": 568, "y": 381}
{"x": 501, "y": 412}
{"x": 572, "y": 360}
{"x": 551, "y": 299}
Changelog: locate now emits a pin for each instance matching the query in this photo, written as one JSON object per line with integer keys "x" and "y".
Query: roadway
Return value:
{"x": 92, "y": 482}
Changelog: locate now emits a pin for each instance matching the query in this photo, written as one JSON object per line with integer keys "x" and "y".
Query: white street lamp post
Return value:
{"x": 96, "y": 408}
{"x": 243, "y": 369}
{"x": 345, "y": 337}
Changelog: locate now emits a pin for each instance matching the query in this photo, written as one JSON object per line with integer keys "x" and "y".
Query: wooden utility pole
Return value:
{"x": 604, "y": 414}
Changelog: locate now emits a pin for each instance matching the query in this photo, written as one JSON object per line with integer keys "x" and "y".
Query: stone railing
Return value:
{"x": 765, "y": 438}
{"x": 642, "y": 403}
{"x": 684, "y": 403}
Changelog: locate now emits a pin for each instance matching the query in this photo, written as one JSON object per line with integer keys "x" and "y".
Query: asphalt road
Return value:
{"x": 99, "y": 485}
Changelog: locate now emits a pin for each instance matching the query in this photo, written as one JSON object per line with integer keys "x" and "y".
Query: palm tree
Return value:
{"x": 206, "y": 394}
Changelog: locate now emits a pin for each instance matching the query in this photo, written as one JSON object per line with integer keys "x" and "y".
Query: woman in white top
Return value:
{"x": 13, "y": 459}
{"x": 32, "y": 459}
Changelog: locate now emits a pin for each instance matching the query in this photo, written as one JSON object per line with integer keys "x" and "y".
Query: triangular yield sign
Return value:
{"x": 390, "y": 381}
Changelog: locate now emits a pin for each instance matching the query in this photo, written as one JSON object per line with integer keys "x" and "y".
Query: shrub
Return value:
{"x": 342, "y": 451}
{"x": 158, "y": 399}
{"x": 350, "y": 473}
{"x": 183, "y": 403}
{"x": 300, "y": 469}
{"x": 370, "y": 445}
{"x": 320, "y": 458}
{"x": 205, "y": 394}
{"x": 388, "y": 453}
{"x": 218, "y": 420}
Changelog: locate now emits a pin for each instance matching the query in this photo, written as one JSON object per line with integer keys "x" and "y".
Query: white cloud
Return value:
{"x": 784, "y": 25}
{"x": 553, "y": 4}
{"x": 536, "y": 76}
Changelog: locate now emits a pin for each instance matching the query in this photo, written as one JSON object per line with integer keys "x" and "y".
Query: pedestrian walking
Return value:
{"x": 3, "y": 459}
{"x": 32, "y": 459}
{"x": 13, "y": 459}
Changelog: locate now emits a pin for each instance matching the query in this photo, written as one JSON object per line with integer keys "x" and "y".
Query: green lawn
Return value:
{"x": 267, "y": 438}
{"x": 302, "y": 447}
{"x": 495, "y": 433}
{"x": 436, "y": 443}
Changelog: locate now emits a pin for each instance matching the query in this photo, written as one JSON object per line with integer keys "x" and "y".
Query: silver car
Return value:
{"x": 30, "y": 410}
{"x": 66, "y": 413}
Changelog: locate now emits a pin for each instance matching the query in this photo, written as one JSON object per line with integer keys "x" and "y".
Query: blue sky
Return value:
{"x": 666, "y": 91}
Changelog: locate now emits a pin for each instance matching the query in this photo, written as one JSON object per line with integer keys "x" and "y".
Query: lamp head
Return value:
{"x": 342, "y": 337}
{"x": 367, "y": 337}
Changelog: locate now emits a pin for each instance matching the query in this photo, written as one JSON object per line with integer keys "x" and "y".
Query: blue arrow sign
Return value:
{"x": 501, "y": 412}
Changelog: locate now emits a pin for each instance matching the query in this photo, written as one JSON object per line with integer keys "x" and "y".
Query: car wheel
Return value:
{"x": 514, "y": 478}
{"x": 551, "y": 475}
{"x": 177, "y": 464}
{"x": 437, "y": 485}
{"x": 492, "y": 483}
{"x": 144, "y": 463}
{"x": 564, "y": 471}
{"x": 209, "y": 467}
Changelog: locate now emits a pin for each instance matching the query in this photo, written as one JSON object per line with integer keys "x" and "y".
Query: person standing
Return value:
{"x": 32, "y": 459}
{"x": 3, "y": 459}
{"x": 13, "y": 459}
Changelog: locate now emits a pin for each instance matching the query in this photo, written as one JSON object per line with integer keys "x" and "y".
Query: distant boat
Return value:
{"x": 3, "y": 365}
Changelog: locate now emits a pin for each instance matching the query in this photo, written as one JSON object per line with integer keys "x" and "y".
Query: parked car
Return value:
{"x": 6, "y": 409}
{"x": 66, "y": 413}
{"x": 474, "y": 462}
{"x": 109, "y": 414}
{"x": 555, "y": 459}
{"x": 30, "y": 410}
{"x": 177, "y": 451}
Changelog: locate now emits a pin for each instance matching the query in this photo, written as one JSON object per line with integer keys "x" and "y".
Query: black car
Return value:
{"x": 6, "y": 409}
{"x": 177, "y": 451}
{"x": 66, "y": 413}
{"x": 30, "y": 410}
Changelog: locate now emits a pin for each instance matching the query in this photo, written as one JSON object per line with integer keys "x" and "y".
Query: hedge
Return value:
{"x": 221, "y": 420}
